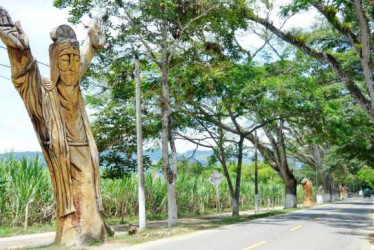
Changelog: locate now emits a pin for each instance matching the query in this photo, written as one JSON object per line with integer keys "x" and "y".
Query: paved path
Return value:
{"x": 27, "y": 241}
{"x": 340, "y": 226}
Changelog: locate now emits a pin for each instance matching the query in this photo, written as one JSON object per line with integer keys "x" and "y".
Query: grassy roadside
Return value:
{"x": 50, "y": 227}
{"x": 161, "y": 231}
{"x": 185, "y": 228}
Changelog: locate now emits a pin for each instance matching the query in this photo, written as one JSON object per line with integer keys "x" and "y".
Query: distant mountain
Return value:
{"x": 26, "y": 154}
{"x": 201, "y": 156}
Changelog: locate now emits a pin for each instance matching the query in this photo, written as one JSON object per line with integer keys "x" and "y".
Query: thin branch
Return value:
{"x": 142, "y": 39}
{"x": 172, "y": 51}
{"x": 365, "y": 55}
{"x": 194, "y": 141}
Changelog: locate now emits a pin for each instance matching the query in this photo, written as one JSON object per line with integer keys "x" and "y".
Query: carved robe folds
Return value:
{"x": 62, "y": 127}
{"x": 61, "y": 124}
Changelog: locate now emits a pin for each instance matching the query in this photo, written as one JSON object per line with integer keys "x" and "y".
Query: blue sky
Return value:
{"x": 38, "y": 18}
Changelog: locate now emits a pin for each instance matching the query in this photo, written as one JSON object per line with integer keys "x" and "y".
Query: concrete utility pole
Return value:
{"x": 139, "y": 141}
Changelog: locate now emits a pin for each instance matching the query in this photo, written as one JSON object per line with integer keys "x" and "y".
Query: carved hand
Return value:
{"x": 12, "y": 34}
{"x": 96, "y": 33}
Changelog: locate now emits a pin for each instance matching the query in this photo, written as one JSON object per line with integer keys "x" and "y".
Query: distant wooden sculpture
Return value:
{"x": 308, "y": 192}
{"x": 61, "y": 124}
{"x": 340, "y": 187}
{"x": 344, "y": 192}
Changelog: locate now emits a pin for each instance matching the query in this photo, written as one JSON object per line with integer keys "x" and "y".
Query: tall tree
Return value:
{"x": 224, "y": 148}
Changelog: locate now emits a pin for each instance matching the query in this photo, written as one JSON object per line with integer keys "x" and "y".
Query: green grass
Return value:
{"x": 180, "y": 229}
{"x": 20, "y": 230}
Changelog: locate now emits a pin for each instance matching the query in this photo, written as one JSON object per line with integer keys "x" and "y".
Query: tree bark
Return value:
{"x": 172, "y": 205}
{"x": 173, "y": 151}
{"x": 318, "y": 163}
{"x": 256, "y": 174}
{"x": 235, "y": 206}
{"x": 327, "y": 186}
{"x": 235, "y": 200}
{"x": 139, "y": 140}
{"x": 288, "y": 177}
{"x": 170, "y": 176}
{"x": 290, "y": 189}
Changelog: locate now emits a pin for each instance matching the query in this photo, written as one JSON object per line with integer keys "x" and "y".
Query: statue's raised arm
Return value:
{"x": 24, "y": 69}
{"x": 13, "y": 36}
{"x": 94, "y": 42}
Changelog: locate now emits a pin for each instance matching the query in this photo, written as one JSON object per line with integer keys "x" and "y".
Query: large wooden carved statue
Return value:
{"x": 61, "y": 124}
{"x": 308, "y": 192}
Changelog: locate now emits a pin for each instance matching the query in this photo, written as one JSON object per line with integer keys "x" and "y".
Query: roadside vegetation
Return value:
{"x": 26, "y": 181}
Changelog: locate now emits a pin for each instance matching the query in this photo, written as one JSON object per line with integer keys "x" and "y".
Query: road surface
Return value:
{"x": 342, "y": 226}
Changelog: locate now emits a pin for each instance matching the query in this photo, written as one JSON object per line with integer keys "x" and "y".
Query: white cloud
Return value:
{"x": 12, "y": 142}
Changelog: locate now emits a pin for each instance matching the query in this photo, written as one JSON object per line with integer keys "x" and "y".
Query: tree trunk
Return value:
{"x": 291, "y": 194}
{"x": 222, "y": 159}
{"x": 173, "y": 151}
{"x": 256, "y": 174}
{"x": 288, "y": 177}
{"x": 172, "y": 204}
{"x": 327, "y": 187}
{"x": 139, "y": 141}
{"x": 172, "y": 197}
{"x": 166, "y": 110}
{"x": 235, "y": 201}
{"x": 235, "y": 206}
{"x": 318, "y": 165}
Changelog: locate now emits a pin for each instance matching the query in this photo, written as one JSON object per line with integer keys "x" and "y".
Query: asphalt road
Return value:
{"x": 342, "y": 226}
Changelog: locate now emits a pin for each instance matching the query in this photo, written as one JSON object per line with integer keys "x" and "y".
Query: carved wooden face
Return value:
{"x": 69, "y": 66}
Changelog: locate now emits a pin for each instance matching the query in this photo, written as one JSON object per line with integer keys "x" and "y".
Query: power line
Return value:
{"x": 7, "y": 66}
{"x": 43, "y": 64}
{"x": 5, "y": 77}
{"x": 37, "y": 60}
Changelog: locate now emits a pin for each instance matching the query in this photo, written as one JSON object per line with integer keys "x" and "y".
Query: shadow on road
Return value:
{"x": 357, "y": 217}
